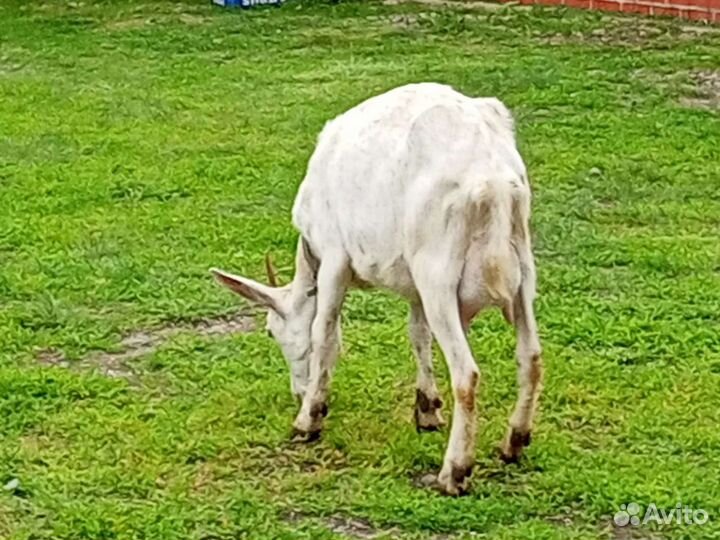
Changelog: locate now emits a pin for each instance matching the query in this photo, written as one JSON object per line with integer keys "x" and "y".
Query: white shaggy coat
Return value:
{"x": 422, "y": 191}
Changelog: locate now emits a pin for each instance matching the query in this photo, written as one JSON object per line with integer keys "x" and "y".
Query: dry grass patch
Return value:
{"x": 119, "y": 364}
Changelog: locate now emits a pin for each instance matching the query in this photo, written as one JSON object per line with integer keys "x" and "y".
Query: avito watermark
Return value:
{"x": 632, "y": 514}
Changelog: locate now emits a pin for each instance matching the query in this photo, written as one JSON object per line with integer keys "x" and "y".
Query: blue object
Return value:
{"x": 247, "y": 3}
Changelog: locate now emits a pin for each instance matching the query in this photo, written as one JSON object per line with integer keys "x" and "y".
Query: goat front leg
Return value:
{"x": 427, "y": 397}
{"x": 332, "y": 281}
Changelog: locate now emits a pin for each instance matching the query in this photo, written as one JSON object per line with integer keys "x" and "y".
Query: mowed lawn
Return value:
{"x": 142, "y": 143}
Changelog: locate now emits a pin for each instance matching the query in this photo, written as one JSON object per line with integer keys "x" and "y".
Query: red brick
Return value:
{"x": 666, "y": 11}
{"x": 698, "y": 15}
{"x": 607, "y": 5}
{"x": 697, "y": 3}
{"x": 636, "y": 8}
{"x": 655, "y": 6}
{"x": 708, "y": 10}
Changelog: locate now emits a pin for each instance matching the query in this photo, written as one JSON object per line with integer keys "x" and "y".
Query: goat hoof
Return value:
{"x": 428, "y": 422}
{"x": 318, "y": 411}
{"x": 512, "y": 447}
{"x": 427, "y": 413}
{"x": 301, "y": 436}
{"x": 307, "y": 427}
{"x": 454, "y": 484}
{"x": 420, "y": 428}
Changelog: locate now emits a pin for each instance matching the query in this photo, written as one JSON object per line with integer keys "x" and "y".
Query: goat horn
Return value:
{"x": 271, "y": 272}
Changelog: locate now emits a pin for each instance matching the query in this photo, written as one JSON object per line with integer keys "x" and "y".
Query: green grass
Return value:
{"x": 141, "y": 143}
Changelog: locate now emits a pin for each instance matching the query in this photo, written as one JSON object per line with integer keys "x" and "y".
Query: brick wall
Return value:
{"x": 704, "y": 10}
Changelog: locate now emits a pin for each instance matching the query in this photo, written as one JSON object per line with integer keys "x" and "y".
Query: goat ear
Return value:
{"x": 257, "y": 293}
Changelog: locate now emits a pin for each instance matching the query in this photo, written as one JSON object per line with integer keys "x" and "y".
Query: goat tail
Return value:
{"x": 500, "y": 269}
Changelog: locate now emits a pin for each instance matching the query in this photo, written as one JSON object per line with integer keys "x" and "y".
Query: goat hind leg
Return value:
{"x": 529, "y": 376}
{"x": 440, "y": 300}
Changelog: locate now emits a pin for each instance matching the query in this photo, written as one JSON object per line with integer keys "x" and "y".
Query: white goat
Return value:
{"x": 422, "y": 191}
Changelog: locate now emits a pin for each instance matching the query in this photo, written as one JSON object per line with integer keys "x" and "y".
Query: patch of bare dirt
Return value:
{"x": 697, "y": 89}
{"x": 108, "y": 364}
{"x": 629, "y": 532}
{"x": 241, "y": 324}
{"x": 631, "y": 31}
{"x": 126, "y": 24}
{"x": 353, "y": 527}
{"x": 698, "y": 30}
{"x": 119, "y": 364}
{"x": 457, "y": 10}
{"x": 404, "y": 21}
{"x": 659, "y": 79}
{"x": 430, "y": 19}
{"x": 707, "y": 90}
{"x": 293, "y": 457}
{"x": 616, "y": 31}
{"x": 455, "y": 4}
{"x": 565, "y": 518}
{"x": 627, "y": 31}
{"x": 356, "y": 528}
{"x": 187, "y": 18}
{"x": 136, "y": 22}
{"x": 13, "y": 59}
{"x": 203, "y": 477}
{"x": 51, "y": 357}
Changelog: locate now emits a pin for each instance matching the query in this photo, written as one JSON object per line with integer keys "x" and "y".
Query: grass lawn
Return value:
{"x": 142, "y": 143}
